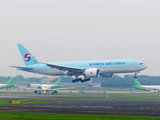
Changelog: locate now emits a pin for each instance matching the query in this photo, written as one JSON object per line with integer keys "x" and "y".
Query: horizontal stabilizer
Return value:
{"x": 28, "y": 68}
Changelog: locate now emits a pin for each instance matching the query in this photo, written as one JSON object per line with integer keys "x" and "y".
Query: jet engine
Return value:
{"x": 91, "y": 72}
{"x": 55, "y": 92}
{"x": 35, "y": 91}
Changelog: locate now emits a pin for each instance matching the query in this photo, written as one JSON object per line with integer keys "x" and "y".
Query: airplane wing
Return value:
{"x": 62, "y": 67}
{"x": 39, "y": 89}
{"x": 57, "y": 89}
{"x": 34, "y": 85}
{"x": 28, "y": 68}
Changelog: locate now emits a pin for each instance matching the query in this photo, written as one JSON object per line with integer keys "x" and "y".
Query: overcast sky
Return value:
{"x": 78, "y": 30}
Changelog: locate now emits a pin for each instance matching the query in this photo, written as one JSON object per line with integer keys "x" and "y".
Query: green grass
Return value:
{"x": 49, "y": 116}
{"x": 22, "y": 102}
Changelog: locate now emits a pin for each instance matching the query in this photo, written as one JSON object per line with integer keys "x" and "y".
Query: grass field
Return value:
{"x": 22, "y": 102}
{"x": 48, "y": 116}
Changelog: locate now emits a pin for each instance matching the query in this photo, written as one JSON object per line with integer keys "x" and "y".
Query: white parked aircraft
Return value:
{"x": 49, "y": 87}
{"x": 151, "y": 88}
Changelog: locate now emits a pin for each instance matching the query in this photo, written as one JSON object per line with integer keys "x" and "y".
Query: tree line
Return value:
{"x": 115, "y": 81}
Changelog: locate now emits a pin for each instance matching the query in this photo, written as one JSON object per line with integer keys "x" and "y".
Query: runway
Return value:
{"x": 86, "y": 104}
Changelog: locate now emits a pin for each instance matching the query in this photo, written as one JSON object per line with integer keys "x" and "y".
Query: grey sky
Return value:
{"x": 77, "y": 30}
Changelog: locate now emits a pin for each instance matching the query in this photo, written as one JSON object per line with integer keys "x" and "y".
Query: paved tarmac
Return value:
{"x": 100, "y": 107}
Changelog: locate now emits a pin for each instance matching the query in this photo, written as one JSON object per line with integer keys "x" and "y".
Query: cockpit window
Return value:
{"x": 141, "y": 63}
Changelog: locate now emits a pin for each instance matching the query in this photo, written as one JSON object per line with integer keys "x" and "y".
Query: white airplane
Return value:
{"x": 89, "y": 69}
{"x": 49, "y": 87}
{"x": 146, "y": 87}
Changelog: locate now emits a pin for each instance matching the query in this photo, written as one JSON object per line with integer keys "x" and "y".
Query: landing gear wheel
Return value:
{"x": 82, "y": 81}
{"x": 52, "y": 93}
{"x": 73, "y": 81}
{"x": 87, "y": 79}
{"x": 55, "y": 92}
{"x": 76, "y": 80}
{"x": 135, "y": 77}
{"x": 39, "y": 93}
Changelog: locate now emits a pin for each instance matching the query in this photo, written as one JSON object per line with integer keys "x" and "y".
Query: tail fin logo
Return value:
{"x": 27, "y": 57}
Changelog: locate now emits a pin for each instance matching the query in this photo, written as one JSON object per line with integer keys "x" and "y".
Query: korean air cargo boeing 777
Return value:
{"x": 89, "y": 69}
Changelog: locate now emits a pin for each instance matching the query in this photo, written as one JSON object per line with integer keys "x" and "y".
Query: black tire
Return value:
{"x": 35, "y": 92}
{"x": 82, "y": 81}
{"x": 73, "y": 81}
{"x": 55, "y": 92}
{"x": 135, "y": 77}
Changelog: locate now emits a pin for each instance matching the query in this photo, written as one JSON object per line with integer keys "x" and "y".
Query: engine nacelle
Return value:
{"x": 106, "y": 74}
{"x": 91, "y": 72}
{"x": 55, "y": 92}
{"x": 35, "y": 91}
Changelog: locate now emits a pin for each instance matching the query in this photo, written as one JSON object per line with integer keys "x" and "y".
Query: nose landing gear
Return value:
{"x": 135, "y": 76}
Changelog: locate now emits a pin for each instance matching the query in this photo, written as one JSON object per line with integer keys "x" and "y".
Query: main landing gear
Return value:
{"x": 54, "y": 92}
{"x": 80, "y": 79}
{"x": 36, "y": 92}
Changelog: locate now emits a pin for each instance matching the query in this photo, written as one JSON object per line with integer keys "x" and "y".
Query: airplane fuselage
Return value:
{"x": 106, "y": 67}
{"x": 152, "y": 87}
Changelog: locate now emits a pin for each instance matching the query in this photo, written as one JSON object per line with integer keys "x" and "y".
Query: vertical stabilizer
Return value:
{"x": 27, "y": 57}
{"x": 10, "y": 81}
{"x": 58, "y": 83}
{"x": 137, "y": 83}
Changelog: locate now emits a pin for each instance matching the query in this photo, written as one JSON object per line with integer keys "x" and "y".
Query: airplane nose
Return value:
{"x": 143, "y": 67}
